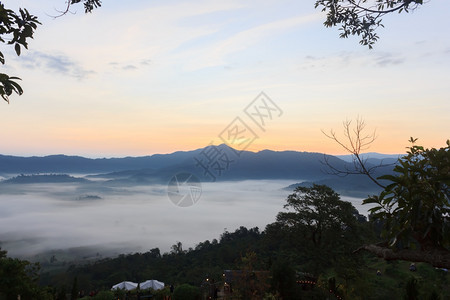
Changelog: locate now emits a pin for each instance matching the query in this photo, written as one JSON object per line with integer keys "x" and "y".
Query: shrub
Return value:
{"x": 186, "y": 292}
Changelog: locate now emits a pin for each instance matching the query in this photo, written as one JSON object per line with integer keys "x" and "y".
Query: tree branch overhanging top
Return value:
{"x": 16, "y": 29}
{"x": 362, "y": 17}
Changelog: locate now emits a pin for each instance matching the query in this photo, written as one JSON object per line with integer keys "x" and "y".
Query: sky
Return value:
{"x": 143, "y": 77}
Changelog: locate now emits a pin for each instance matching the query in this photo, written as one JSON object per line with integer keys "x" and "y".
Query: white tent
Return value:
{"x": 154, "y": 284}
{"x": 125, "y": 285}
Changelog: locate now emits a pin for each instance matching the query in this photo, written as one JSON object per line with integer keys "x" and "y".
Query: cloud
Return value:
{"x": 129, "y": 67}
{"x": 49, "y": 216}
{"x": 57, "y": 63}
{"x": 216, "y": 54}
{"x": 145, "y": 30}
{"x": 388, "y": 59}
{"x": 348, "y": 59}
{"x": 142, "y": 217}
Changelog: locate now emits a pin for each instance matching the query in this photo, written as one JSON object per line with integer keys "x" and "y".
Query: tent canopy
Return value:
{"x": 154, "y": 284}
{"x": 125, "y": 285}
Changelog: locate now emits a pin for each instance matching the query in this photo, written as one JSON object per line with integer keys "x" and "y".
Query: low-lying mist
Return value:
{"x": 40, "y": 217}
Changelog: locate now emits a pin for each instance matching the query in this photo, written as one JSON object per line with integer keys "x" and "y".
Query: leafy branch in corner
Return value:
{"x": 415, "y": 208}
{"x": 362, "y": 17}
{"x": 89, "y": 6}
{"x": 16, "y": 28}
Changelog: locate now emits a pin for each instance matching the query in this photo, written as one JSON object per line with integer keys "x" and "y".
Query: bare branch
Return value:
{"x": 63, "y": 12}
{"x": 354, "y": 142}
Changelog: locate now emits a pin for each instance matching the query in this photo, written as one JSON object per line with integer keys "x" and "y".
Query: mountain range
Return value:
{"x": 212, "y": 163}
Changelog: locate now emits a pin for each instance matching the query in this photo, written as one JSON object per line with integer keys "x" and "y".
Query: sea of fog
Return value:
{"x": 39, "y": 217}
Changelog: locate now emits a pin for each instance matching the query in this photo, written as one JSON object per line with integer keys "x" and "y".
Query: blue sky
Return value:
{"x": 143, "y": 77}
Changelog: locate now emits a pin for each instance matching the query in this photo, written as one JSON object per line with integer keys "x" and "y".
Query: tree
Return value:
{"x": 16, "y": 29}
{"x": 250, "y": 282}
{"x": 74, "y": 291}
{"x": 317, "y": 209}
{"x": 177, "y": 248}
{"x": 415, "y": 208}
{"x": 414, "y": 205}
{"x": 362, "y": 17}
{"x": 17, "y": 277}
{"x": 322, "y": 224}
{"x": 186, "y": 292}
{"x": 284, "y": 279}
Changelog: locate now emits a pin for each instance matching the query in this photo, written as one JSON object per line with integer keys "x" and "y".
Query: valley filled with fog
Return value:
{"x": 35, "y": 218}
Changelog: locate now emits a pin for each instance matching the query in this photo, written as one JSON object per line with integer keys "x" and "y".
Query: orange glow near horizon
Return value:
{"x": 116, "y": 142}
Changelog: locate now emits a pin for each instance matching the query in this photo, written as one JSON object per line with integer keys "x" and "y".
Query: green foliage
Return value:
{"x": 89, "y": 5}
{"x": 62, "y": 293}
{"x": 160, "y": 294}
{"x": 411, "y": 289}
{"x": 190, "y": 266}
{"x": 18, "y": 277}
{"x": 320, "y": 225}
{"x": 391, "y": 284}
{"x": 16, "y": 28}
{"x": 415, "y": 207}
{"x": 250, "y": 281}
{"x": 103, "y": 295}
{"x": 270, "y": 296}
{"x": 186, "y": 292}
{"x": 434, "y": 296}
{"x": 248, "y": 250}
{"x": 284, "y": 280}
{"x": 119, "y": 293}
{"x": 74, "y": 291}
{"x": 363, "y": 17}
{"x": 316, "y": 210}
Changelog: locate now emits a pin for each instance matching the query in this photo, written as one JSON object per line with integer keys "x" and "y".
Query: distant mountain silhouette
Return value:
{"x": 212, "y": 163}
{"x": 78, "y": 164}
{"x": 51, "y": 178}
{"x": 373, "y": 157}
{"x": 222, "y": 163}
